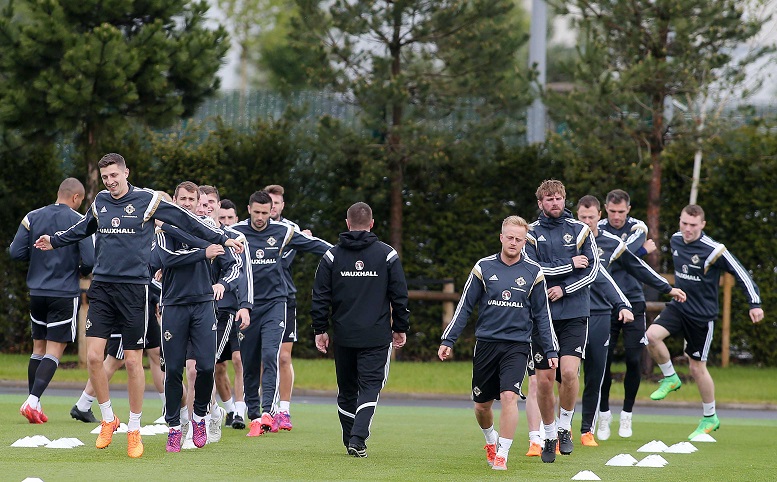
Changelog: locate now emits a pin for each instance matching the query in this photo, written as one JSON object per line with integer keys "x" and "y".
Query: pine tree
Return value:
{"x": 409, "y": 63}
{"x": 85, "y": 69}
{"x": 634, "y": 59}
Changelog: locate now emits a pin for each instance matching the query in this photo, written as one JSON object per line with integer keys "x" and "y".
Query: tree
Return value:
{"x": 87, "y": 69}
{"x": 409, "y": 63}
{"x": 634, "y": 59}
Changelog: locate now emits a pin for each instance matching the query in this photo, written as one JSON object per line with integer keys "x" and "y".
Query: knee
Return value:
{"x": 654, "y": 336}
{"x": 569, "y": 373}
{"x": 133, "y": 363}
{"x": 508, "y": 397}
{"x": 284, "y": 360}
{"x": 482, "y": 409}
{"x": 697, "y": 370}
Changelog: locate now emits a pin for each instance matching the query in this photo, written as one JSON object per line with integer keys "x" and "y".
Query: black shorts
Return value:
{"x": 118, "y": 308}
{"x": 572, "y": 335}
{"x": 290, "y": 332}
{"x": 53, "y": 319}
{"x": 498, "y": 367}
{"x": 697, "y": 334}
{"x": 154, "y": 329}
{"x": 114, "y": 347}
{"x": 226, "y": 336}
{"x": 633, "y": 332}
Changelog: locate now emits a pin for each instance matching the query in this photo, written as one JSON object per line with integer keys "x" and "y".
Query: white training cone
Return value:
{"x": 32, "y": 479}
{"x": 122, "y": 428}
{"x": 160, "y": 420}
{"x": 655, "y": 446}
{"x": 586, "y": 475}
{"x": 147, "y": 430}
{"x": 681, "y": 448}
{"x": 96, "y": 430}
{"x": 703, "y": 437}
{"x": 39, "y": 440}
{"x": 60, "y": 443}
{"x": 622, "y": 460}
{"x": 652, "y": 461}
{"x": 160, "y": 428}
{"x": 24, "y": 442}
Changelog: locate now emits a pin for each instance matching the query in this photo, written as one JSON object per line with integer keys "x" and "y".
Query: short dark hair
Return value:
{"x": 694, "y": 210}
{"x": 70, "y": 187}
{"x": 227, "y": 204}
{"x": 207, "y": 190}
{"x": 276, "y": 189}
{"x": 617, "y": 196}
{"x": 588, "y": 201}
{"x": 112, "y": 158}
{"x": 188, "y": 186}
{"x": 359, "y": 216}
{"x": 260, "y": 197}
{"x": 550, "y": 187}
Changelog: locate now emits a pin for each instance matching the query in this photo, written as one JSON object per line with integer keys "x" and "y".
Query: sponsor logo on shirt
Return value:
{"x": 493, "y": 278}
{"x": 505, "y": 304}
{"x": 115, "y": 222}
{"x": 689, "y": 277}
{"x": 541, "y": 238}
{"x": 506, "y": 295}
{"x": 359, "y": 265}
{"x": 103, "y": 210}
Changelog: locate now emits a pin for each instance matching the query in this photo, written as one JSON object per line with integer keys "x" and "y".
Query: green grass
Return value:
{"x": 736, "y": 384}
{"x": 407, "y": 444}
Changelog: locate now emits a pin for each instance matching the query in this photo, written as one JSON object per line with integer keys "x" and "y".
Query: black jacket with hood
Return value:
{"x": 361, "y": 281}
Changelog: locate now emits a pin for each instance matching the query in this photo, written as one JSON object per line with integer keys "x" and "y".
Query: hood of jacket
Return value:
{"x": 356, "y": 240}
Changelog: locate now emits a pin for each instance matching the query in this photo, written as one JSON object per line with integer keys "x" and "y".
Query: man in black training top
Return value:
{"x": 54, "y": 287}
{"x": 361, "y": 281}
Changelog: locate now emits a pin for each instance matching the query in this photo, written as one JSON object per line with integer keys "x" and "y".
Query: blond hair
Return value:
{"x": 515, "y": 221}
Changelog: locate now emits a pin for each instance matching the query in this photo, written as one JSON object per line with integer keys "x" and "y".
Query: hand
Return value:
{"x": 44, "y": 243}
{"x": 555, "y": 293}
{"x": 399, "y": 339}
{"x": 214, "y": 250}
{"x": 236, "y": 245}
{"x": 444, "y": 352}
{"x": 649, "y": 246}
{"x": 678, "y": 295}
{"x": 218, "y": 291}
{"x": 552, "y": 363}
{"x": 244, "y": 317}
{"x": 626, "y": 316}
{"x": 158, "y": 275}
{"x": 756, "y": 314}
{"x": 322, "y": 342}
{"x": 307, "y": 231}
{"x": 580, "y": 261}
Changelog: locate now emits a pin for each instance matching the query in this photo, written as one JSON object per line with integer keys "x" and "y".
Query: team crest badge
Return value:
{"x": 359, "y": 265}
{"x": 695, "y": 259}
{"x": 259, "y": 253}
{"x": 240, "y": 336}
{"x": 531, "y": 364}
{"x": 600, "y": 251}
{"x": 567, "y": 238}
{"x": 685, "y": 268}
{"x": 88, "y": 323}
{"x": 476, "y": 391}
{"x": 538, "y": 357}
{"x": 506, "y": 295}
{"x": 520, "y": 281}
{"x": 271, "y": 241}
{"x": 168, "y": 335}
{"x": 129, "y": 209}
{"x": 115, "y": 222}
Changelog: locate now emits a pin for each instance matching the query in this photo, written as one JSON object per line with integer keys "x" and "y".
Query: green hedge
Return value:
{"x": 456, "y": 195}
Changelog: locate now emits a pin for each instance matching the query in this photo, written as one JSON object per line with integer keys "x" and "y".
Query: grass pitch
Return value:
{"x": 407, "y": 443}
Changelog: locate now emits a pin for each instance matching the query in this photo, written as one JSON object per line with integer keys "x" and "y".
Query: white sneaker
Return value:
{"x": 214, "y": 425}
{"x": 188, "y": 444}
{"x": 603, "y": 432}
{"x": 624, "y": 430}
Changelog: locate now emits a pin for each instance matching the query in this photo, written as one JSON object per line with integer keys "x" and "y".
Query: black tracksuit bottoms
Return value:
{"x": 361, "y": 374}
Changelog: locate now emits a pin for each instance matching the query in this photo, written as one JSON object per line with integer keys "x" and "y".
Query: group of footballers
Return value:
{"x": 221, "y": 284}
{"x": 561, "y": 290}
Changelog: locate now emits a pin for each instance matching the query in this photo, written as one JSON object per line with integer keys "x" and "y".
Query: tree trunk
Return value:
{"x": 656, "y": 142}
{"x": 395, "y": 152}
{"x": 91, "y": 158}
